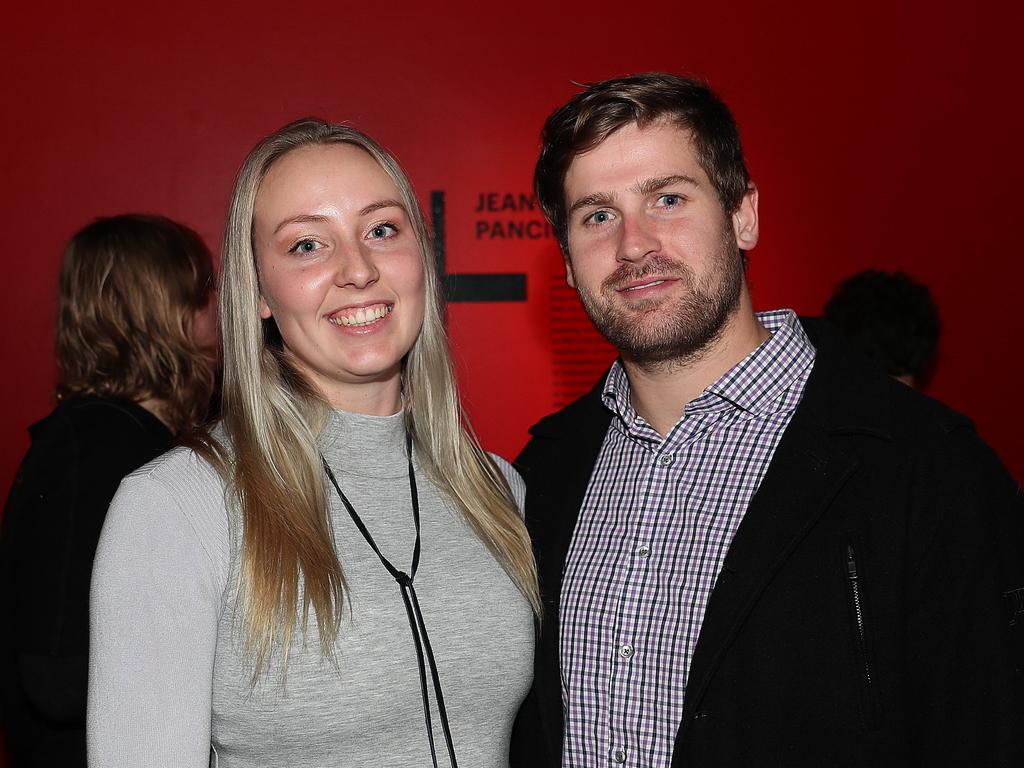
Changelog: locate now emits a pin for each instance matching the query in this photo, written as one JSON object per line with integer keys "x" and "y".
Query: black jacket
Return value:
{"x": 51, "y": 526}
{"x": 796, "y": 665}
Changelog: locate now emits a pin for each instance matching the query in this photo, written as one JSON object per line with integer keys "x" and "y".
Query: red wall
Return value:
{"x": 880, "y": 136}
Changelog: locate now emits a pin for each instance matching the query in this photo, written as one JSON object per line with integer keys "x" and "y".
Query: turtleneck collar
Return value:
{"x": 370, "y": 446}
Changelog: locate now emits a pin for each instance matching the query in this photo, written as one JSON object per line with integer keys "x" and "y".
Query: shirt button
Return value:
{"x": 666, "y": 459}
{"x": 626, "y": 651}
{"x": 644, "y": 550}
{"x": 619, "y": 756}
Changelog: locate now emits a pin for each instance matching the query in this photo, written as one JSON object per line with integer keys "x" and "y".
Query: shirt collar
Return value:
{"x": 753, "y": 385}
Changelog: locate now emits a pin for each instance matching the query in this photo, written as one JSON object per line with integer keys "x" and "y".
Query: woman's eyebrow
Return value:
{"x": 302, "y": 218}
{"x": 305, "y": 218}
{"x": 377, "y": 205}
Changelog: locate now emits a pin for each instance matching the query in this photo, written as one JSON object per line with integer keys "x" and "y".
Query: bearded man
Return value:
{"x": 753, "y": 548}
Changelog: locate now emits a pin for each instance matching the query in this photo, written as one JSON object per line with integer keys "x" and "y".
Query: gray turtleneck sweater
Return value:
{"x": 170, "y": 682}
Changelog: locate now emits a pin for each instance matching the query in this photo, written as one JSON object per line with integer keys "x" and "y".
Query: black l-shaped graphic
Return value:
{"x": 471, "y": 286}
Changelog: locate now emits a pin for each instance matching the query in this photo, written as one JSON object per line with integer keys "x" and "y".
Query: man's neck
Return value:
{"x": 661, "y": 393}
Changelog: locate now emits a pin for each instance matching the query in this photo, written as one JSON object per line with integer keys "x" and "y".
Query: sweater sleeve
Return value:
{"x": 157, "y": 588}
{"x": 515, "y": 481}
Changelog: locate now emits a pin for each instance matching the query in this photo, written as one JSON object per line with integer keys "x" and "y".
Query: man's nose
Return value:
{"x": 638, "y": 239}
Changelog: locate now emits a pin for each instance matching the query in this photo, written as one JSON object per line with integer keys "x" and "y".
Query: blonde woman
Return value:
{"x": 338, "y": 574}
{"x": 135, "y": 338}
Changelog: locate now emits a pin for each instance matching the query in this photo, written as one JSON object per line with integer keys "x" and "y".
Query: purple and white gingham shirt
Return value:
{"x": 655, "y": 525}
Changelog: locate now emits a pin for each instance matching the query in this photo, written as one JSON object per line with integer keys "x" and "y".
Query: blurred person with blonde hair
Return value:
{"x": 336, "y": 574}
{"x": 135, "y": 349}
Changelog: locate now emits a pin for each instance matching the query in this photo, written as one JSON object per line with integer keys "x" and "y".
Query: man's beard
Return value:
{"x": 659, "y": 331}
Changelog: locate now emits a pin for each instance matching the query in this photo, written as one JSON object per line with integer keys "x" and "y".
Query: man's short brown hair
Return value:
{"x": 594, "y": 114}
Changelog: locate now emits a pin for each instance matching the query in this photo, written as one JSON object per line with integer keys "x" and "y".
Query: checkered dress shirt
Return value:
{"x": 656, "y": 522}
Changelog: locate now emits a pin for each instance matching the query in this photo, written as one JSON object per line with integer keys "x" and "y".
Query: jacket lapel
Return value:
{"x": 569, "y": 442}
{"x": 806, "y": 473}
{"x": 557, "y": 464}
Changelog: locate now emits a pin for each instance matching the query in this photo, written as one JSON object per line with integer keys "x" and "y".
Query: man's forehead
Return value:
{"x": 633, "y": 154}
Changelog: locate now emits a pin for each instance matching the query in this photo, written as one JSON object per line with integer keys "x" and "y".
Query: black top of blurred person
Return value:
{"x": 51, "y": 524}
{"x": 891, "y": 319}
{"x": 135, "y": 348}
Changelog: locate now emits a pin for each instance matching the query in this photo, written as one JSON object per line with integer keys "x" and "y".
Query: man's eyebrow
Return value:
{"x": 588, "y": 201}
{"x": 647, "y": 186}
{"x": 300, "y": 219}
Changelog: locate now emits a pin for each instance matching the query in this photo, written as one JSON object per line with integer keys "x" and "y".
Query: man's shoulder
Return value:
{"x": 876, "y": 415}
{"x": 856, "y": 392}
{"x": 583, "y": 421}
{"x": 585, "y": 409}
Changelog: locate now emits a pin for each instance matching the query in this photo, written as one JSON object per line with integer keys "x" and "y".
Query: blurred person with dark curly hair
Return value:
{"x": 892, "y": 320}
{"x": 135, "y": 347}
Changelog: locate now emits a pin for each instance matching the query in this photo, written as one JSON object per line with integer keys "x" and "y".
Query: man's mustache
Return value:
{"x": 652, "y": 265}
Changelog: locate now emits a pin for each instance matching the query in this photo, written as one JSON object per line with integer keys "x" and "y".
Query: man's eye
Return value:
{"x": 304, "y": 247}
{"x": 380, "y": 231}
{"x": 670, "y": 200}
{"x": 599, "y": 217}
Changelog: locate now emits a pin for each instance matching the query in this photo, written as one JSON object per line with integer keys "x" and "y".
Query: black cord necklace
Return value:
{"x": 412, "y": 606}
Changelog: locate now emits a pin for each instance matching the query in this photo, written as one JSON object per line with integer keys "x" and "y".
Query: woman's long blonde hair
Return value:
{"x": 272, "y": 415}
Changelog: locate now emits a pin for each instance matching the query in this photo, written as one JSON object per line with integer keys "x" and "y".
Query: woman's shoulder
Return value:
{"x": 188, "y": 471}
{"x": 179, "y": 490}
{"x": 181, "y": 469}
{"x": 167, "y": 539}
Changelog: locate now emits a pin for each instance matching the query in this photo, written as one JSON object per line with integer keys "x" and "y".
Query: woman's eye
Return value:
{"x": 304, "y": 247}
{"x": 381, "y": 231}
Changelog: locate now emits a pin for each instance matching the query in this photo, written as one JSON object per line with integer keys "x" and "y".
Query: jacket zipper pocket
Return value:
{"x": 853, "y": 580}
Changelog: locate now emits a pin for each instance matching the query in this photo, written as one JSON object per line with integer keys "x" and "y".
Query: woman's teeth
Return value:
{"x": 361, "y": 316}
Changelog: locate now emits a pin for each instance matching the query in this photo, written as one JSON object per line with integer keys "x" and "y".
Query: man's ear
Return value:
{"x": 265, "y": 313}
{"x": 745, "y": 221}
{"x": 569, "y": 277}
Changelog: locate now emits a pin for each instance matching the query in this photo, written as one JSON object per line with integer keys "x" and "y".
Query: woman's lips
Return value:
{"x": 360, "y": 316}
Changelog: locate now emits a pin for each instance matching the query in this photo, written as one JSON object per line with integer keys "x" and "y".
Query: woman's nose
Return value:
{"x": 355, "y": 268}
